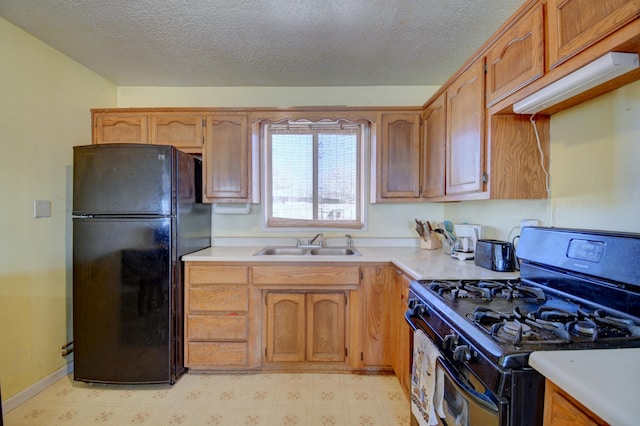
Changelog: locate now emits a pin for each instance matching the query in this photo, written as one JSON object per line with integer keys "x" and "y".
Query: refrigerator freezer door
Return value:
{"x": 122, "y": 299}
{"x": 123, "y": 179}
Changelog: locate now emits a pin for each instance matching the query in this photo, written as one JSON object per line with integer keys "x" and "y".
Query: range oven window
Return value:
{"x": 463, "y": 403}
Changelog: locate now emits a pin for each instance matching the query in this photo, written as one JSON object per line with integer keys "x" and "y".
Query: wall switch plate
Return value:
{"x": 41, "y": 208}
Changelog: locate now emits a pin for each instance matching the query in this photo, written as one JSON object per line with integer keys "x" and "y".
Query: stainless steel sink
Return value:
{"x": 281, "y": 251}
{"x": 334, "y": 251}
{"x": 299, "y": 251}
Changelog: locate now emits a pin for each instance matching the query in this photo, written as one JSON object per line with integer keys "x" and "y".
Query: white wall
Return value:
{"x": 44, "y": 110}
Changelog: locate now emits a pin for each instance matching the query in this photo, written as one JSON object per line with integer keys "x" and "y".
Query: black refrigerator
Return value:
{"x": 137, "y": 209}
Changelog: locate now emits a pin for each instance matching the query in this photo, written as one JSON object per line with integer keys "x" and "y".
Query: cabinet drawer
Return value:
{"x": 306, "y": 275}
{"x": 209, "y": 298}
{"x": 217, "y": 327}
{"x": 204, "y": 274}
{"x": 216, "y": 354}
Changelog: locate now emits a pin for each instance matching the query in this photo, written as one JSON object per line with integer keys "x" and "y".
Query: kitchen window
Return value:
{"x": 314, "y": 174}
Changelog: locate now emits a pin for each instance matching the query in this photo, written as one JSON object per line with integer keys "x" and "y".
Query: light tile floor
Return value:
{"x": 210, "y": 399}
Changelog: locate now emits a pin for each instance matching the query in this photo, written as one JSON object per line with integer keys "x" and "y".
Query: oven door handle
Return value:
{"x": 480, "y": 398}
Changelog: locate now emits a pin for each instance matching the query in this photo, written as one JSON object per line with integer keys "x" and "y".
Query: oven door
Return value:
{"x": 465, "y": 400}
{"x": 463, "y": 404}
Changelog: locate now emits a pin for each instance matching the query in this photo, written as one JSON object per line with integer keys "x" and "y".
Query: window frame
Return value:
{"x": 270, "y": 223}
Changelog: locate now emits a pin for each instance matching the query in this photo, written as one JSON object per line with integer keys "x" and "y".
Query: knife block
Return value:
{"x": 430, "y": 244}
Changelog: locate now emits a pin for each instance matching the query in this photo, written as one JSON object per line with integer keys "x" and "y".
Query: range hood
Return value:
{"x": 603, "y": 69}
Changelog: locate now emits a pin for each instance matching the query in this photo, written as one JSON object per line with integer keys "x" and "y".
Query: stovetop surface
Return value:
{"x": 511, "y": 318}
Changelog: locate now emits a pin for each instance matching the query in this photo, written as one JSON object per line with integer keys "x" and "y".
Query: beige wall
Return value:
{"x": 281, "y": 97}
{"x": 44, "y": 110}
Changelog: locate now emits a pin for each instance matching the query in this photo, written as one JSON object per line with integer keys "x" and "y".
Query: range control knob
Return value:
{"x": 462, "y": 353}
{"x": 450, "y": 341}
{"x": 417, "y": 308}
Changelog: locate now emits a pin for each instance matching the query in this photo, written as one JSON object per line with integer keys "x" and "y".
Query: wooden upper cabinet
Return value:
{"x": 120, "y": 127}
{"x": 399, "y": 162}
{"x": 227, "y": 158}
{"x": 517, "y": 58}
{"x": 433, "y": 148}
{"x": 574, "y": 25}
{"x": 182, "y": 130}
{"x": 465, "y": 131}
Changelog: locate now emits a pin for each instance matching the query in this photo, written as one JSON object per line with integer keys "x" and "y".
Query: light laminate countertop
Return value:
{"x": 419, "y": 263}
{"x": 603, "y": 380}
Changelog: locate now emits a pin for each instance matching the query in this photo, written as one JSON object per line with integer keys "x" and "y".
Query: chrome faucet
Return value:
{"x": 349, "y": 240}
{"x": 313, "y": 240}
{"x": 310, "y": 243}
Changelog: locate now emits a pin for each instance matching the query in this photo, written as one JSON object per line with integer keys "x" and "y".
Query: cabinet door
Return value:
{"x": 326, "y": 326}
{"x": 400, "y": 156}
{"x": 561, "y": 409}
{"x": 182, "y": 130}
{"x": 226, "y": 158}
{"x": 375, "y": 293}
{"x": 465, "y": 132}
{"x": 120, "y": 128}
{"x": 433, "y": 148}
{"x": 575, "y": 25}
{"x": 286, "y": 324}
{"x": 517, "y": 58}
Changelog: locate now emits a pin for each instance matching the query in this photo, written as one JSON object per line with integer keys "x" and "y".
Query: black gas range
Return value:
{"x": 578, "y": 290}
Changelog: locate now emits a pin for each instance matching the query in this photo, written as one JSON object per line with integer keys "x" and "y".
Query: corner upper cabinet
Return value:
{"x": 575, "y": 25}
{"x": 227, "y": 158}
{"x": 120, "y": 127}
{"x": 433, "y": 148}
{"x": 516, "y": 58}
{"x": 465, "y": 132}
{"x": 398, "y": 162}
{"x": 182, "y": 130}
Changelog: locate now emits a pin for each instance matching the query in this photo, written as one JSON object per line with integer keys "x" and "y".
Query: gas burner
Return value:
{"x": 513, "y": 332}
{"x": 584, "y": 327}
{"x": 514, "y": 327}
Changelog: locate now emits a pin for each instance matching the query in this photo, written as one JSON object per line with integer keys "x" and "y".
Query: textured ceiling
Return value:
{"x": 264, "y": 42}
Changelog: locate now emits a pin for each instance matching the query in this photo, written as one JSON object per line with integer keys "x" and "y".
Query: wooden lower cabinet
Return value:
{"x": 402, "y": 341}
{"x": 561, "y": 409}
{"x": 290, "y": 317}
{"x": 304, "y": 326}
{"x": 217, "y": 326}
{"x": 376, "y": 316}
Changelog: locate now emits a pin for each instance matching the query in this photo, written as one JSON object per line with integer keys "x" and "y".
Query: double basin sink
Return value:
{"x": 304, "y": 251}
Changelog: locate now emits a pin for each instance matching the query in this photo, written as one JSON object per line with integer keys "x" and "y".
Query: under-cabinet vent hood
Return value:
{"x": 603, "y": 69}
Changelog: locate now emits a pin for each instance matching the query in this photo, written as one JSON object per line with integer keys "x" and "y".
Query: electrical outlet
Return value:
{"x": 528, "y": 222}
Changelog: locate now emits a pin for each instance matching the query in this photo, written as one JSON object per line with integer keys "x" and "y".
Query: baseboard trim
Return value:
{"x": 22, "y": 397}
